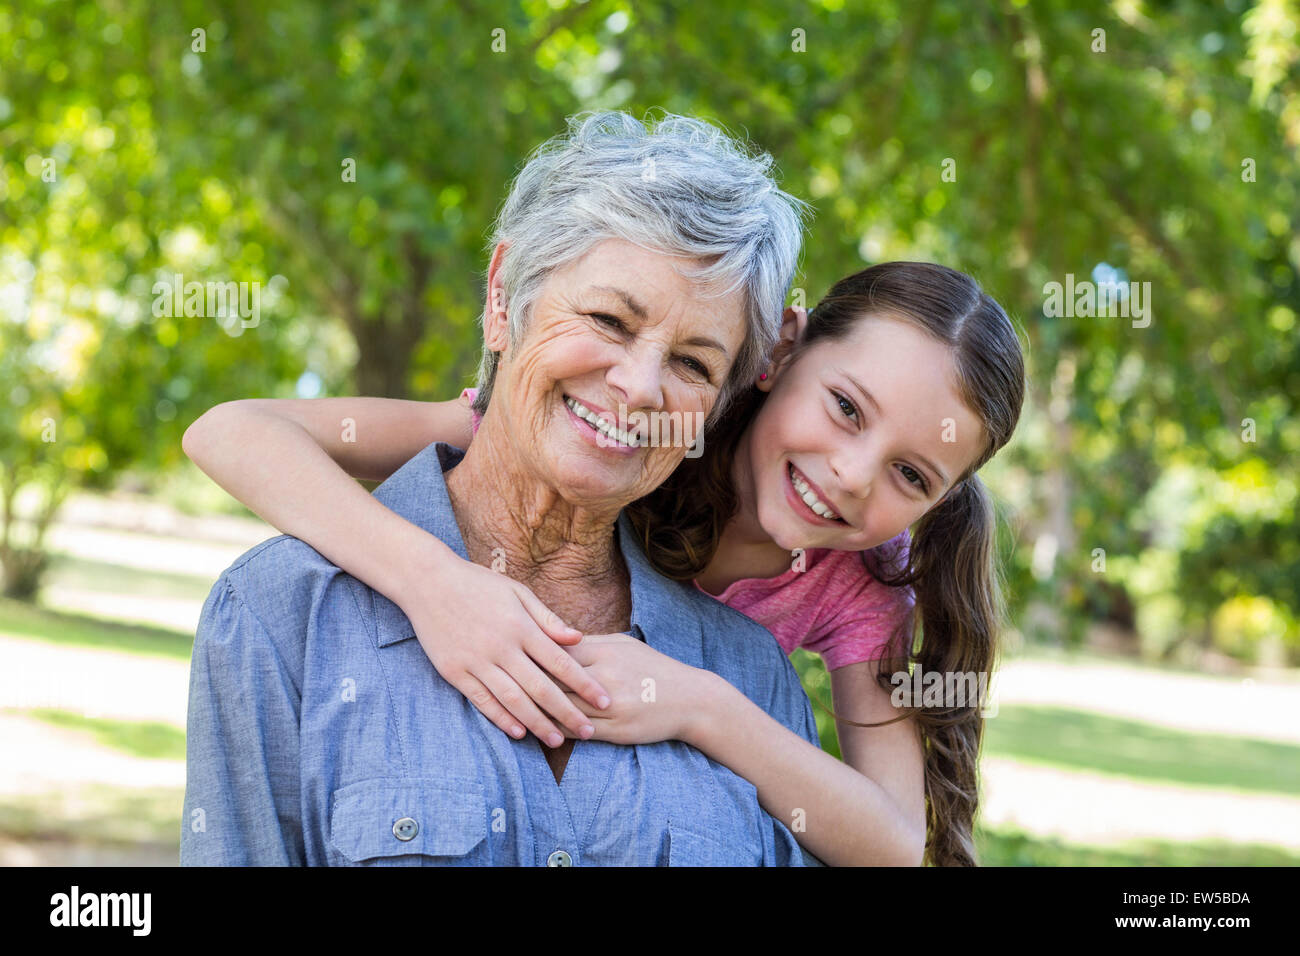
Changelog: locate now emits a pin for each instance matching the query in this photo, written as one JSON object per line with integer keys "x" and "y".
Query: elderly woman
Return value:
{"x": 634, "y": 269}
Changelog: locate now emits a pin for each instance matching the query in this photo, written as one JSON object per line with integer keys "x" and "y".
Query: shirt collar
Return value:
{"x": 660, "y": 605}
{"x": 418, "y": 492}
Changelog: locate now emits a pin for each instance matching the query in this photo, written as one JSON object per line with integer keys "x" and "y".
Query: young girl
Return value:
{"x": 874, "y": 414}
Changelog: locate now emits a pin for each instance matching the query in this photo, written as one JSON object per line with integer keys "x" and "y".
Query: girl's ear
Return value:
{"x": 496, "y": 324}
{"x": 794, "y": 321}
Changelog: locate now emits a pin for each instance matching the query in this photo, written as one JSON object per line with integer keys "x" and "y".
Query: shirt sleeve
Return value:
{"x": 242, "y": 789}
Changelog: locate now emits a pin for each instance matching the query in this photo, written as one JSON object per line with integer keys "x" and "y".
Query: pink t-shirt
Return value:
{"x": 828, "y": 602}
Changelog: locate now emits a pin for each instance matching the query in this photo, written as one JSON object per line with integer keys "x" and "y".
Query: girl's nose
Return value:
{"x": 854, "y": 472}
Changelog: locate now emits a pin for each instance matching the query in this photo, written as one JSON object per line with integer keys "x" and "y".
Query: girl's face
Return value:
{"x": 857, "y": 439}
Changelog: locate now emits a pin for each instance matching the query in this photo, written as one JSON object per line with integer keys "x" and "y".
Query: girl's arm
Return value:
{"x": 867, "y": 811}
{"x": 289, "y": 462}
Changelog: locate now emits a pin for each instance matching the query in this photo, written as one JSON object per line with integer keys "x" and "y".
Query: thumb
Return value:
{"x": 547, "y": 619}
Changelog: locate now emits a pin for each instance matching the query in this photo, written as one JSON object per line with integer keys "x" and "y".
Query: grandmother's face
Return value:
{"x": 619, "y": 331}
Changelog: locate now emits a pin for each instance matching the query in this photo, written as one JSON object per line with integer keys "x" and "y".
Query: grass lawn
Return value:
{"x": 1008, "y": 847}
{"x": 90, "y": 575}
{"x": 1079, "y": 740}
{"x": 18, "y": 619}
{"x": 148, "y": 739}
{"x": 95, "y": 814}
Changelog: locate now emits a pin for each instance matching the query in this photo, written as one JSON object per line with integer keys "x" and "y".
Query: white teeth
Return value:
{"x": 602, "y": 426}
{"x": 809, "y": 496}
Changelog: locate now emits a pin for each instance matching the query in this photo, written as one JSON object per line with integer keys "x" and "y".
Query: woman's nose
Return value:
{"x": 638, "y": 377}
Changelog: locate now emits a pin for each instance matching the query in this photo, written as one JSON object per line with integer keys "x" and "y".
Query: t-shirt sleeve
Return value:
{"x": 474, "y": 417}
{"x": 874, "y": 619}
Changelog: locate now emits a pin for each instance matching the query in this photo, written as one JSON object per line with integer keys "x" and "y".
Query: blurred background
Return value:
{"x": 348, "y": 158}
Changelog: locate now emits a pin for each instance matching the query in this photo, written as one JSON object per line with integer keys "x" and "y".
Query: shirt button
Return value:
{"x": 559, "y": 858}
{"x": 405, "y": 829}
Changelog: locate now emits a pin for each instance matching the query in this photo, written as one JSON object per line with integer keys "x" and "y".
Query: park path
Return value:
{"x": 1263, "y": 708}
{"x": 93, "y": 682}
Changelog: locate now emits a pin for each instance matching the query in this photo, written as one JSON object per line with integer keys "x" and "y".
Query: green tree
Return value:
{"x": 360, "y": 151}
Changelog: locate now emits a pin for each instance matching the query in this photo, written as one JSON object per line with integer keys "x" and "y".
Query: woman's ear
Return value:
{"x": 496, "y": 322}
{"x": 794, "y": 321}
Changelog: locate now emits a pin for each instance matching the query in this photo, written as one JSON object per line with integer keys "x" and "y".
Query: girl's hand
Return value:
{"x": 493, "y": 640}
{"x": 653, "y": 696}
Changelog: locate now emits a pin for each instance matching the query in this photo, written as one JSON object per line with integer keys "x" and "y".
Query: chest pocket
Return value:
{"x": 411, "y": 823}
{"x": 713, "y": 815}
{"x": 689, "y": 848}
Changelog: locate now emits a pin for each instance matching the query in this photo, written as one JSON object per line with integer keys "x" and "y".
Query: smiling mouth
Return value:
{"x": 608, "y": 429}
{"x": 810, "y": 498}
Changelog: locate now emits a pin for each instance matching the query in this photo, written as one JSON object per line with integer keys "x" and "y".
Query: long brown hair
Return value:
{"x": 951, "y": 564}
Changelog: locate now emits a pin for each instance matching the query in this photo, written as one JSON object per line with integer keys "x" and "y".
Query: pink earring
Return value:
{"x": 763, "y": 377}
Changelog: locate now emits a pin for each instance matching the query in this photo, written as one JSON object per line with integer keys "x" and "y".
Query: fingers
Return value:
{"x": 549, "y": 696}
{"x": 597, "y": 720}
{"x": 547, "y": 619}
{"x": 568, "y": 671}
{"x": 510, "y": 692}
{"x": 556, "y": 661}
{"x": 488, "y": 705}
{"x": 614, "y": 637}
{"x": 521, "y": 706}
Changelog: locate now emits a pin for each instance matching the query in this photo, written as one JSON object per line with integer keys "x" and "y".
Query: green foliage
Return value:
{"x": 219, "y": 141}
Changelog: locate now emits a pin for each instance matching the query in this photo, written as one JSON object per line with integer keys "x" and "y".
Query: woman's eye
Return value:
{"x": 696, "y": 365}
{"x": 845, "y": 405}
{"x": 914, "y": 477}
{"x": 607, "y": 320}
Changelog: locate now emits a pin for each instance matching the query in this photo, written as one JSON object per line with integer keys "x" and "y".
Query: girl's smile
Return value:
{"x": 808, "y": 500}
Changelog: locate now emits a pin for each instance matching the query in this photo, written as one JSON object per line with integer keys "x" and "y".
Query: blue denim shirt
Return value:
{"x": 320, "y": 734}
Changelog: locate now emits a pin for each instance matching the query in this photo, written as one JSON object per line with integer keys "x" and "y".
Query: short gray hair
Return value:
{"x": 680, "y": 186}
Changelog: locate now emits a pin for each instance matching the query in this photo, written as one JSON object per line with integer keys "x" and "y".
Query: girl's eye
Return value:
{"x": 846, "y": 406}
{"x": 914, "y": 477}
